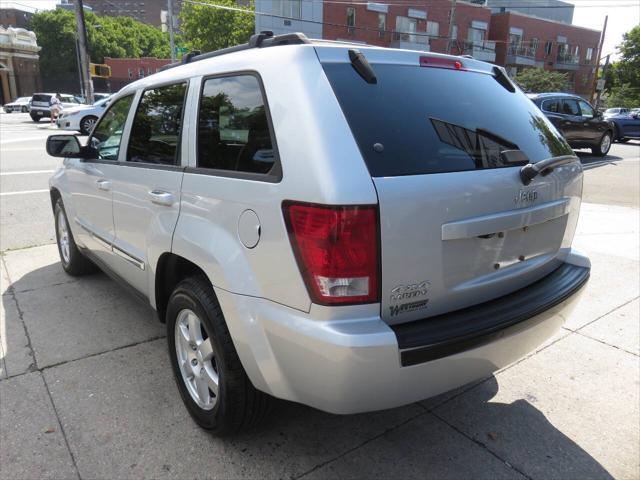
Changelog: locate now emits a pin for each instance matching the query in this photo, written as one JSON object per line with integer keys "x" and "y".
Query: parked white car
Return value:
{"x": 20, "y": 105}
{"x": 82, "y": 118}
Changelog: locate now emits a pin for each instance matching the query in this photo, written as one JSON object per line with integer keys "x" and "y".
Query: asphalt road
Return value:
{"x": 86, "y": 389}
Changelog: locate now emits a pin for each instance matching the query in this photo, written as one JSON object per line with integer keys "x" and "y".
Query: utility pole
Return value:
{"x": 171, "y": 41}
{"x": 604, "y": 75}
{"x": 451, "y": 20}
{"x": 83, "y": 52}
{"x": 595, "y": 74}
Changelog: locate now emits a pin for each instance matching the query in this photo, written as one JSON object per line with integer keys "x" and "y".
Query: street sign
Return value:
{"x": 100, "y": 70}
{"x": 600, "y": 85}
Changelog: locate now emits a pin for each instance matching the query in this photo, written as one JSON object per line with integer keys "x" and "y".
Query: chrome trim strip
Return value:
{"x": 121, "y": 253}
{"x": 102, "y": 241}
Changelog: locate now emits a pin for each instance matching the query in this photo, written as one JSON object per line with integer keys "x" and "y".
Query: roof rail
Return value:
{"x": 259, "y": 40}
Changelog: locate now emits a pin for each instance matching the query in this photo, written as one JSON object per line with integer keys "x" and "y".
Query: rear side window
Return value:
{"x": 418, "y": 120}
{"x": 41, "y": 98}
{"x": 570, "y": 107}
{"x": 233, "y": 128}
{"x": 155, "y": 133}
{"x": 551, "y": 106}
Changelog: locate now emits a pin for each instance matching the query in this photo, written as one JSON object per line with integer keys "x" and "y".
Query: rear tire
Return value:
{"x": 35, "y": 118}
{"x": 72, "y": 259}
{"x": 24, "y": 110}
{"x": 214, "y": 387}
{"x": 604, "y": 145}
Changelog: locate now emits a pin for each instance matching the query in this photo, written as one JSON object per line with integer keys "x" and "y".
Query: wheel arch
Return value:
{"x": 170, "y": 270}
{"x": 55, "y": 196}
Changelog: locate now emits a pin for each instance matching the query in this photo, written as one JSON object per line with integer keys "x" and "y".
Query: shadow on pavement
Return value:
{"x": 517, "y": 432}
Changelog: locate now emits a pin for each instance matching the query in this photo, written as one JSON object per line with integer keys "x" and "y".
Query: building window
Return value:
{"x": 406, "y": 28}
{"x": 454, "y": 32}
{"x": 547, "y": 48}
{"x": 433, "y": 29}
{"x": 382, "y": 24}
{"x": 533, "y": 46}
{"x": 130, "y": 72}
{"x": 351, "y": 19}
{"x": 576, "y": 53}
{"x": 291, "y": 8}
{"x": 589, "y": 54}
{"x": 140, "y": 72}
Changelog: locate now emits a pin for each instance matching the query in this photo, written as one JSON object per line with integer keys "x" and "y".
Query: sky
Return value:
{"x": 587, "y": 13}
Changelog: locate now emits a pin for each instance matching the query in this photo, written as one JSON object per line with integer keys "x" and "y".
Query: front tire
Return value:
{"x": 212, "y": 382}
{"x": 24, "y": 110}
{"x": 72, "y": 259}
{"x": 35, "y": 118}
{"x": 87, "y": 124}
{"x": 604, "y": 145}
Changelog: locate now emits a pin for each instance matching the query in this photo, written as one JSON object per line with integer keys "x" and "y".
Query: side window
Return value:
{"x": 586, "y": 109}
{"x": 570, "y": 107}
{"x": 107, "y": 134}
{"x": 233, "y": 130}
{"x": 550, "y": 106}
{"x": 155, "y": 133}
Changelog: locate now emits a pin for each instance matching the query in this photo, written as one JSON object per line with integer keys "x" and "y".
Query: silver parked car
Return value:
{"x": 348, "y": 227}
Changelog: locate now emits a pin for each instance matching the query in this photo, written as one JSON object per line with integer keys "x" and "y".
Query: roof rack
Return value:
{"x": 259, "y": 40}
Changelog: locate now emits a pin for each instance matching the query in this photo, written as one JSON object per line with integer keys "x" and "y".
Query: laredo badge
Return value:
{"x": 407, "y": 298}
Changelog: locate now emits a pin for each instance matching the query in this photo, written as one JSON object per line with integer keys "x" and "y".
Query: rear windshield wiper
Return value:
{"x": 362, "y": 66}
{"x": 543, "y": 167}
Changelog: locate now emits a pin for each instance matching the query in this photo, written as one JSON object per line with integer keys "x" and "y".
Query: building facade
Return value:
{"x": 401, "y": 26}
{"x": 127, "y": 70}
{"x": 289, "y": 16}
{"x": 523, "y": 41}
{"x": 15, "y": 17}
{"x": 19, "y": 64}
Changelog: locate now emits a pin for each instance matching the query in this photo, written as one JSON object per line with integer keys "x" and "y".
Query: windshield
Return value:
{"x": 102, "y": 102}
{"x": 22, "y": 99}
{"x": 418, "y": 120}
{"x": 612, "y": 110}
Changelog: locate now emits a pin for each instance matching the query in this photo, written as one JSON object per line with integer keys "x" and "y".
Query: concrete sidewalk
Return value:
{"x": 87, "y": 392}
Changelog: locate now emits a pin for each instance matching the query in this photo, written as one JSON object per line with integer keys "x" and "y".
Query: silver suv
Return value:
{"x": 348, "y": 227}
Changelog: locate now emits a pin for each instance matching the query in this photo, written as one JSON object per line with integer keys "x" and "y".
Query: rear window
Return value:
{"x": 430, "y": 120}
{"x": 41, "y": 98}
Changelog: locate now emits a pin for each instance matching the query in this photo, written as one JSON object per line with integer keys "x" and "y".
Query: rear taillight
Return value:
{"x": 337, "y": 251}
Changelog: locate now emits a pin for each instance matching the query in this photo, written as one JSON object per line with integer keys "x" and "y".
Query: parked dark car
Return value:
{"x": 627, "y": 126}
{"x": 580, "y": 124}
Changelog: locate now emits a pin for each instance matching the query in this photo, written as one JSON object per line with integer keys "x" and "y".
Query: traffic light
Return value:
{"x": 100, "y": 70}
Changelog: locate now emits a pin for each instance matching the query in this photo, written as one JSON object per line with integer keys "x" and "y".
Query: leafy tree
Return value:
{"x": 536, "y": 80}
{"x": 118, "y": 37}
{"x": 207, "y": 28}
{"x": 622, "y": 79}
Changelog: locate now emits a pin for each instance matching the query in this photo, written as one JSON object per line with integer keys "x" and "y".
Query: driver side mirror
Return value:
{"x": 64, "y": 146}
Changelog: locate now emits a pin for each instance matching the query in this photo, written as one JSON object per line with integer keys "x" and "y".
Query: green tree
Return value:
{"x": 206, "y": 28}
{"x": 118, "y": 37}
{"x": 622, "y": 79}
{"x": 536, "y": 80}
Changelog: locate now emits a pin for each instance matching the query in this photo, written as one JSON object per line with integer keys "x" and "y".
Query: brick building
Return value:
{"x": 15, "y": 17}
{"x": 400, "y": 26}
{"x": 523, "y": 41}
{"x": 127, "y": 70}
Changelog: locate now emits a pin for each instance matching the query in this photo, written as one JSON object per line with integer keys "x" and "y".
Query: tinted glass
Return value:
{"x": 233, "y": 131}
{"x": 570, "y": 107}
{"x": 430, "y": 120}
{"x": 41, "y": 98}
{"x": 107, "y": 134}
{"x": 155, "y": 133}
{"x": 551, "y": 106}
{"x": 586, "y": 109}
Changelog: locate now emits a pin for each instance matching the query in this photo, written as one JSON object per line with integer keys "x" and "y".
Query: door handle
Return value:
{"x": 103, "y": 185}
{"x": 161, "y": 197}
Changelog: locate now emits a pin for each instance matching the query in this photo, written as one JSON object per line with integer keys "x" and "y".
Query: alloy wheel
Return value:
{"x": 63, "y": 237}
{"x": 196, "y": 359}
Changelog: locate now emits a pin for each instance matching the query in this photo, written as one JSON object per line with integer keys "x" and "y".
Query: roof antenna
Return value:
{"x": 362, "y": 66}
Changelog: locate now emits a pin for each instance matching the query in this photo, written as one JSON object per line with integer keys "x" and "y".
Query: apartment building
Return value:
{"x": 400, "y": 26}
{"x": 146, "y": 11}
{"x": 127, "y": 70}
{"x": 524, "y": 41}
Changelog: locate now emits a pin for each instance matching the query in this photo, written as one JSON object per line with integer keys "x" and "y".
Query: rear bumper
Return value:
{"x": 351, "y": 366}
